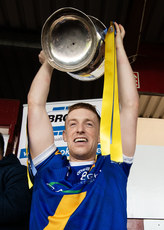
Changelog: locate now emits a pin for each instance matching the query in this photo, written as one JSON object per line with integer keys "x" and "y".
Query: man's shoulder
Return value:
{"x": 116, "y": 166}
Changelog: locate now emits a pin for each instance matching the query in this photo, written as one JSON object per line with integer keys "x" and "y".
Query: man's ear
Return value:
{"x": 64, "y": 136}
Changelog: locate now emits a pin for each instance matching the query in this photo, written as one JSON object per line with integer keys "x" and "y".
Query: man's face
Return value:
{"x": 82, "y": 134}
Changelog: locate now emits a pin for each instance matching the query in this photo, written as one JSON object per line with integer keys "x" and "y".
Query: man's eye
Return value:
{"x": 72, "y": 124}
{"x": 89, "y": 124}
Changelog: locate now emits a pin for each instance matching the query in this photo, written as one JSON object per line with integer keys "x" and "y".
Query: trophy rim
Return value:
{"x": 56, "y": 50}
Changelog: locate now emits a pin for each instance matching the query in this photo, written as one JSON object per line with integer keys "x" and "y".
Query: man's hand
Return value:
{"x": 120, "y": 34}
{"x": 43, "y": 61}
{"x": 42, "y": 57}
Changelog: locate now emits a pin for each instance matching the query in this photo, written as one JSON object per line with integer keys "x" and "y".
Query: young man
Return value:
{"x": 85, "y": 192}
{"x": 15, "y": 196}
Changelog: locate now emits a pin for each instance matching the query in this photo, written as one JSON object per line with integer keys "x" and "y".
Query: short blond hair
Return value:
{"x": 82, "y": 105}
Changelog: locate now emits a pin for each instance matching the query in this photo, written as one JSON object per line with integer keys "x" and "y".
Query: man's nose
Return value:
{"x": 80, "y": 128}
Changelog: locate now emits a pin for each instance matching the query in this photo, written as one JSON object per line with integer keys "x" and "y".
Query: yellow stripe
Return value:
{"x": 67, "y": 206}
{"x": 107, "y": 102}
{"x": 30, "y": 184}
{"x": 110, "y": 98}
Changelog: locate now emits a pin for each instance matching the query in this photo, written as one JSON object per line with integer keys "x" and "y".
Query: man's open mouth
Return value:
{"x": 80, "y": 139}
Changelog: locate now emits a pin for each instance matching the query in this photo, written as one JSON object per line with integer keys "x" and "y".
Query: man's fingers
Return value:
{"x": 122, "y": 30}
{"x": 41, "y": 57}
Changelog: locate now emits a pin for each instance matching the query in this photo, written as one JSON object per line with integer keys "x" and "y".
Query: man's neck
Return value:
{"x": 81, "y": 163}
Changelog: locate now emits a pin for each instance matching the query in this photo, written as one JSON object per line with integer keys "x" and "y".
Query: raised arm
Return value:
{"x": 128, "y": 96}
{"x": 39, "y": 126}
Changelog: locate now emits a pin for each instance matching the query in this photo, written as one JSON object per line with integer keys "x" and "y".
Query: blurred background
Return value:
{"x": 21, "y": 22}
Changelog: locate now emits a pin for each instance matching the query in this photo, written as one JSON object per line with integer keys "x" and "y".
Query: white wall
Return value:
{"x": 146, "y": 181}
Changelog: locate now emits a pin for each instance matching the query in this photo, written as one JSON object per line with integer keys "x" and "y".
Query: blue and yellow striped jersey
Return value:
{"x": 87, "y": 197}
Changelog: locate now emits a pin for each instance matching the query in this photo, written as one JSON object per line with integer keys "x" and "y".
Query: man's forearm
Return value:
{"x": 39, "y": 126}
{"x": 128, "y": 94}
{"x": 40, "y": 86}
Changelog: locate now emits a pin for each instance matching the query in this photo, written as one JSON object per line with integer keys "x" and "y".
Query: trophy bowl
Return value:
{"x": 74, "y": 43}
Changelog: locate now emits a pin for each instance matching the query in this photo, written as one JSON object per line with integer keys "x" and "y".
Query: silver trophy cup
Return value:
{"x": 74, "y": 43}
